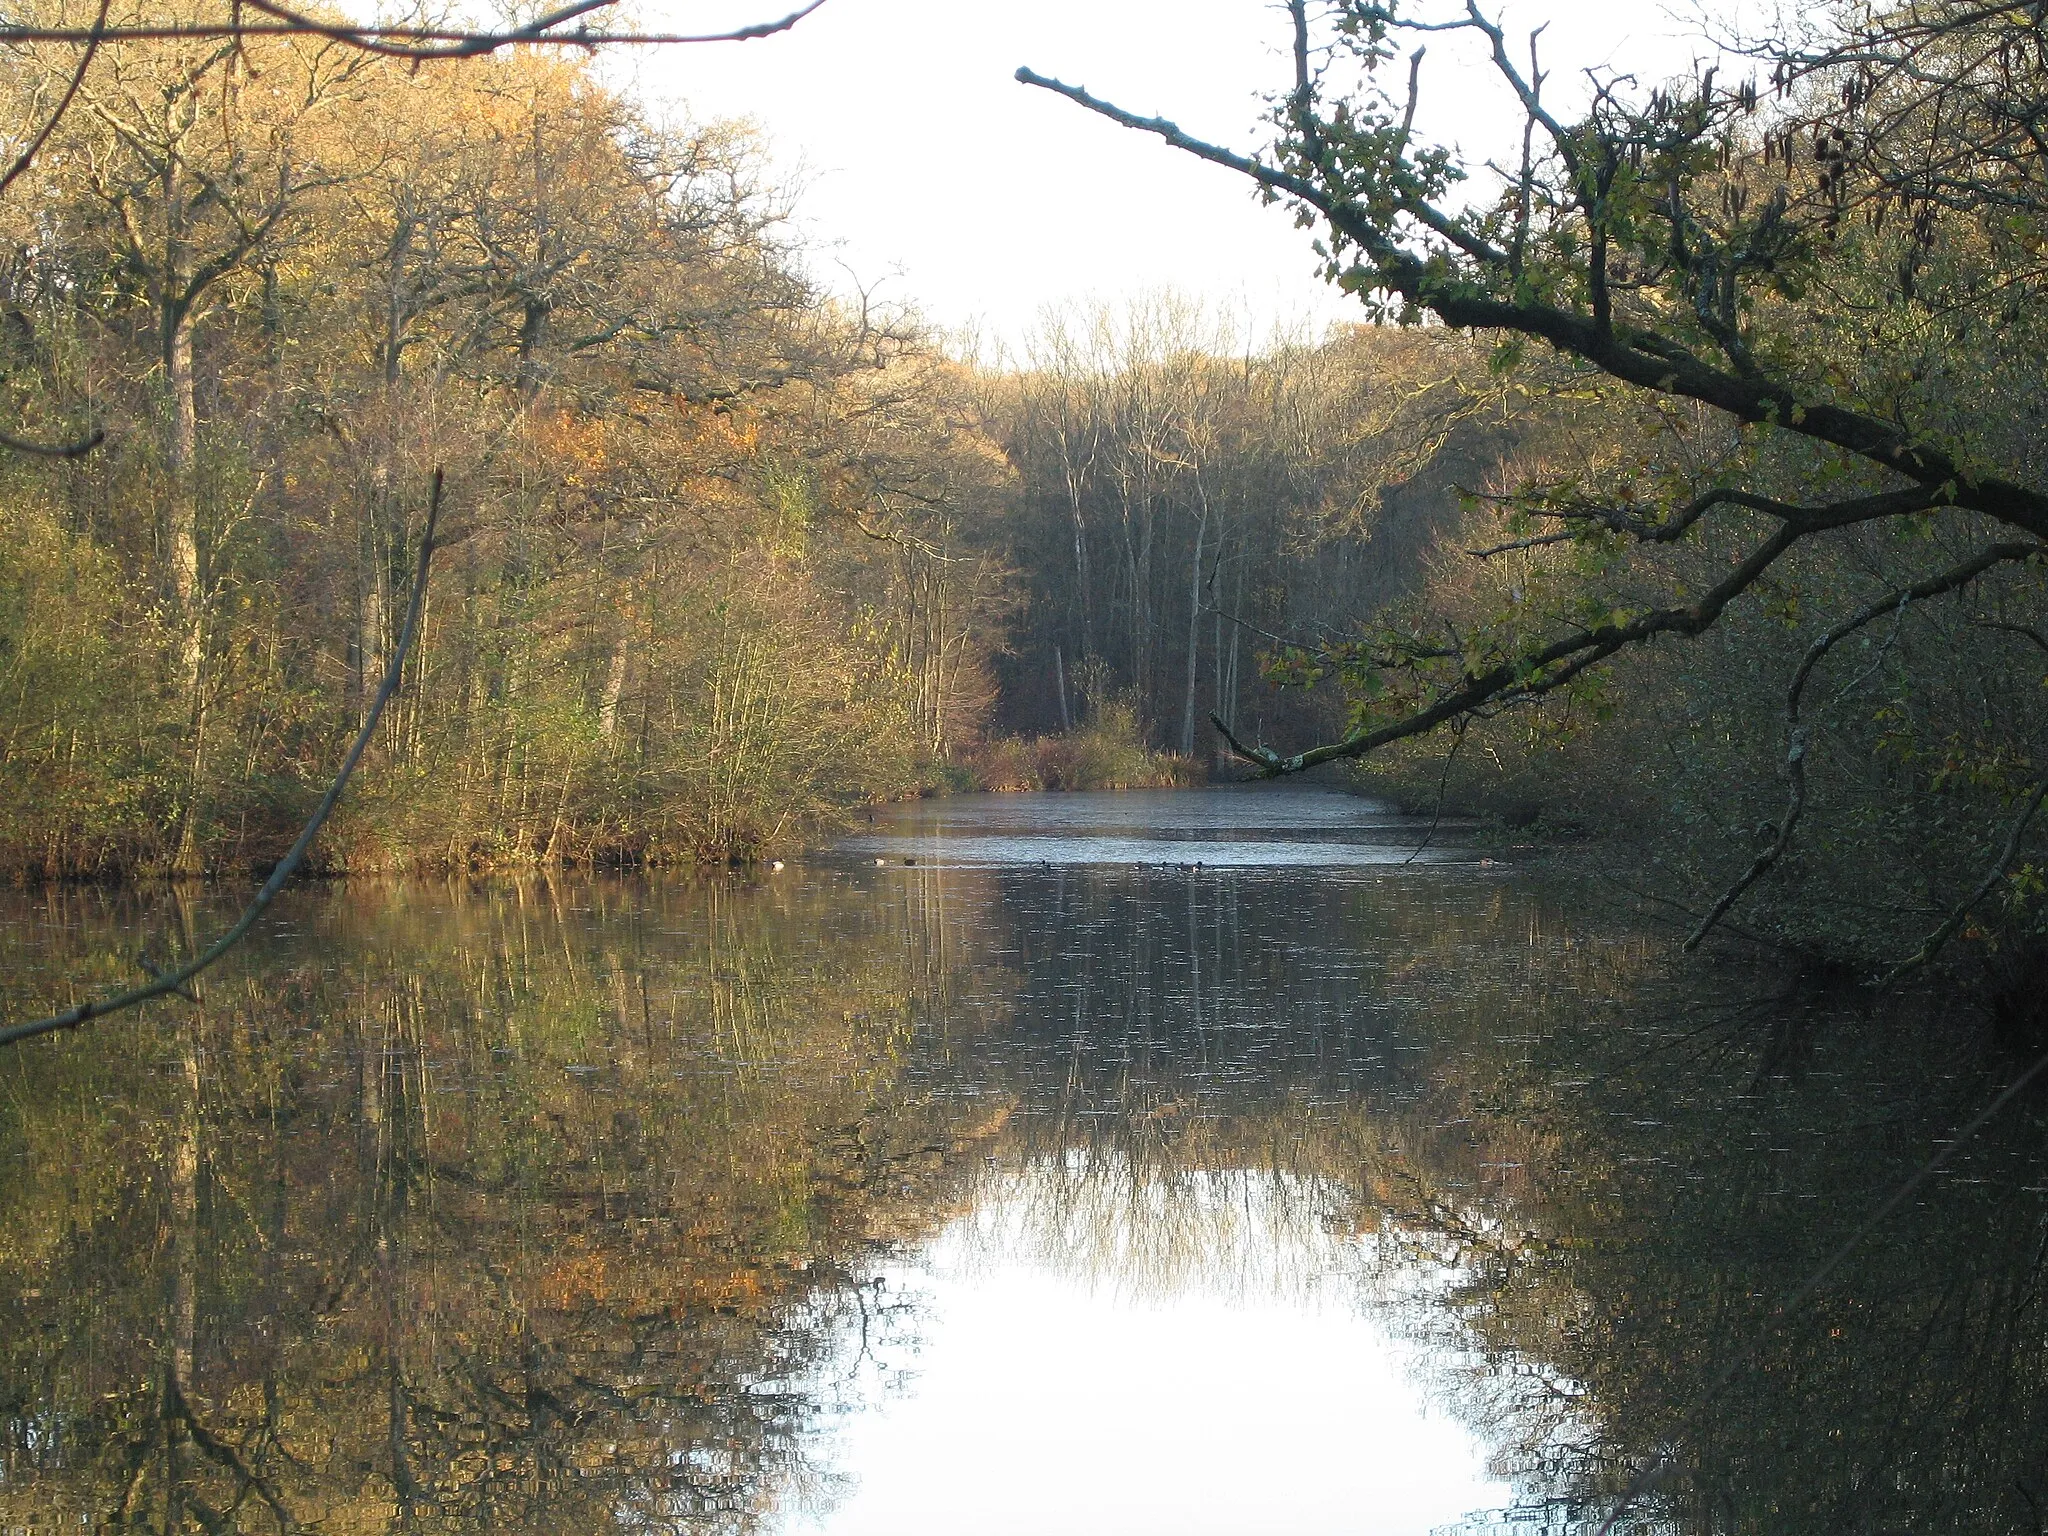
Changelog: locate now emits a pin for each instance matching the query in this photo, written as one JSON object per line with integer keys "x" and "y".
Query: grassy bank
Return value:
{"x": 1109, "y": 752}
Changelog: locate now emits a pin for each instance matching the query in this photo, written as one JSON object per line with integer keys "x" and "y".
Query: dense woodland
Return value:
{"x": 699, "y": 580}
{"x": 1732, "y": 389}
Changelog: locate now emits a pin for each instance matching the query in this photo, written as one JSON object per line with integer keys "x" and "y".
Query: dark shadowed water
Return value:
{"x": 1179, "y": 1163}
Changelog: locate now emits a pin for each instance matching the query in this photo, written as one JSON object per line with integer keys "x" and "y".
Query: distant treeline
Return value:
{"x": 1185, "y": 501}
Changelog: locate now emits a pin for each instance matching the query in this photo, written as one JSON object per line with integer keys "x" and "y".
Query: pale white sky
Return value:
{"x": 927, "y": 170}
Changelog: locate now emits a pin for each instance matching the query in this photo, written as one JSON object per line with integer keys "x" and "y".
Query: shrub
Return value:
{"x": 1108, "y": 752}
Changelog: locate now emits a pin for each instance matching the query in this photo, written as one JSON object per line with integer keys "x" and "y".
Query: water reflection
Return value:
{"x": 1101, "y": 1353}
{"x": 498, "y": 1210}
{"x": 1250, "y": 828}
{"x": 1093, "y": 1194}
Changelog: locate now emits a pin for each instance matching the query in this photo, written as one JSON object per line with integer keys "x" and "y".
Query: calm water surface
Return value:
{"x": 1179, "y": 1163}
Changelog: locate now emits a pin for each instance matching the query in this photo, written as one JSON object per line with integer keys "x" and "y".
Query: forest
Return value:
{"x": 1677, "y": 486}
{"x": 430, "y": 467}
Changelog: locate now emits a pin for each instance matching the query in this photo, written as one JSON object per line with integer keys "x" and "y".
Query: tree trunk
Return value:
{"x": 1075, "y": 490}
{"x": 181, "y": 534}
{"x": 1226, "y": 685}
{"x": 533, "y": 331}
{"x": 182, "y": 1302}
{"x": 373, "y": 578}
{"x": 188, "y": 859}
{"x": 614, "y": 689}
{"x": 376, "y": 532}
{"x": 181, "y": 515}
{"x": 1187, "y": 716}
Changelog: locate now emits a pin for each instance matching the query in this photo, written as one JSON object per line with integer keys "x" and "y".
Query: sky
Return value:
{"x": 928, "y": 176}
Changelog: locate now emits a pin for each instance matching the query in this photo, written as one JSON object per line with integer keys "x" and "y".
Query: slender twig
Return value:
{"x": 172, "y": 982}
{"x": 1320, "y": 652}
{"x": 1443, "y": 781}
{"x": 1798, "y": 736}
{"x": 1537, "y": 541}
{"x": 35, "y": 145}
{"x": 1952, "y": 924}
{"x": 2032, "y": 636}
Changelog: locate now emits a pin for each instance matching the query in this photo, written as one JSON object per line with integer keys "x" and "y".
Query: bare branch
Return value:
{"x": 174, "y": 982}
{"x": 1258, "y": 757}
{"x": 73, "y": 450}
{"x": 1545, "y": 670}
{"x": 1320, "y": 652}
{"x": 1538, "y": 541}
{"x": 1672, "y": 527}
{"x": 1936, "y": 941}
{"x": 404, "y": 42}
{"x": 1953, "y": 579}
{"x": 2031, "y": 635}
{"x": 1265, "y": 175}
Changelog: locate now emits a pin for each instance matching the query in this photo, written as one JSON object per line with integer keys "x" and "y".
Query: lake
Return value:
{"x": 1228, "y": 1161}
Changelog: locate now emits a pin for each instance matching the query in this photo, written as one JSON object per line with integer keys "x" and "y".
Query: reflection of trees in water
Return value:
{"x": 536, "y": 1208}
{"x": 554, "y": 1207}
{"x": 1584, "y": 1198}
{"x": 1623, "y": 1229}
{"x": 1235, "y": 1233}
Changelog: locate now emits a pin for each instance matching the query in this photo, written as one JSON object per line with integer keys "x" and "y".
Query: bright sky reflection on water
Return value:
{"x": 1092, "y": 1351}
{"x": 1069, "y": 1376}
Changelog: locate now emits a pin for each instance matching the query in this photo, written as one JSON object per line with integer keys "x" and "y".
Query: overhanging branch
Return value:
{"x": 1550, "y": 667}
{"x": 1464, "y": 299}
{"x": 403, "y": 42}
